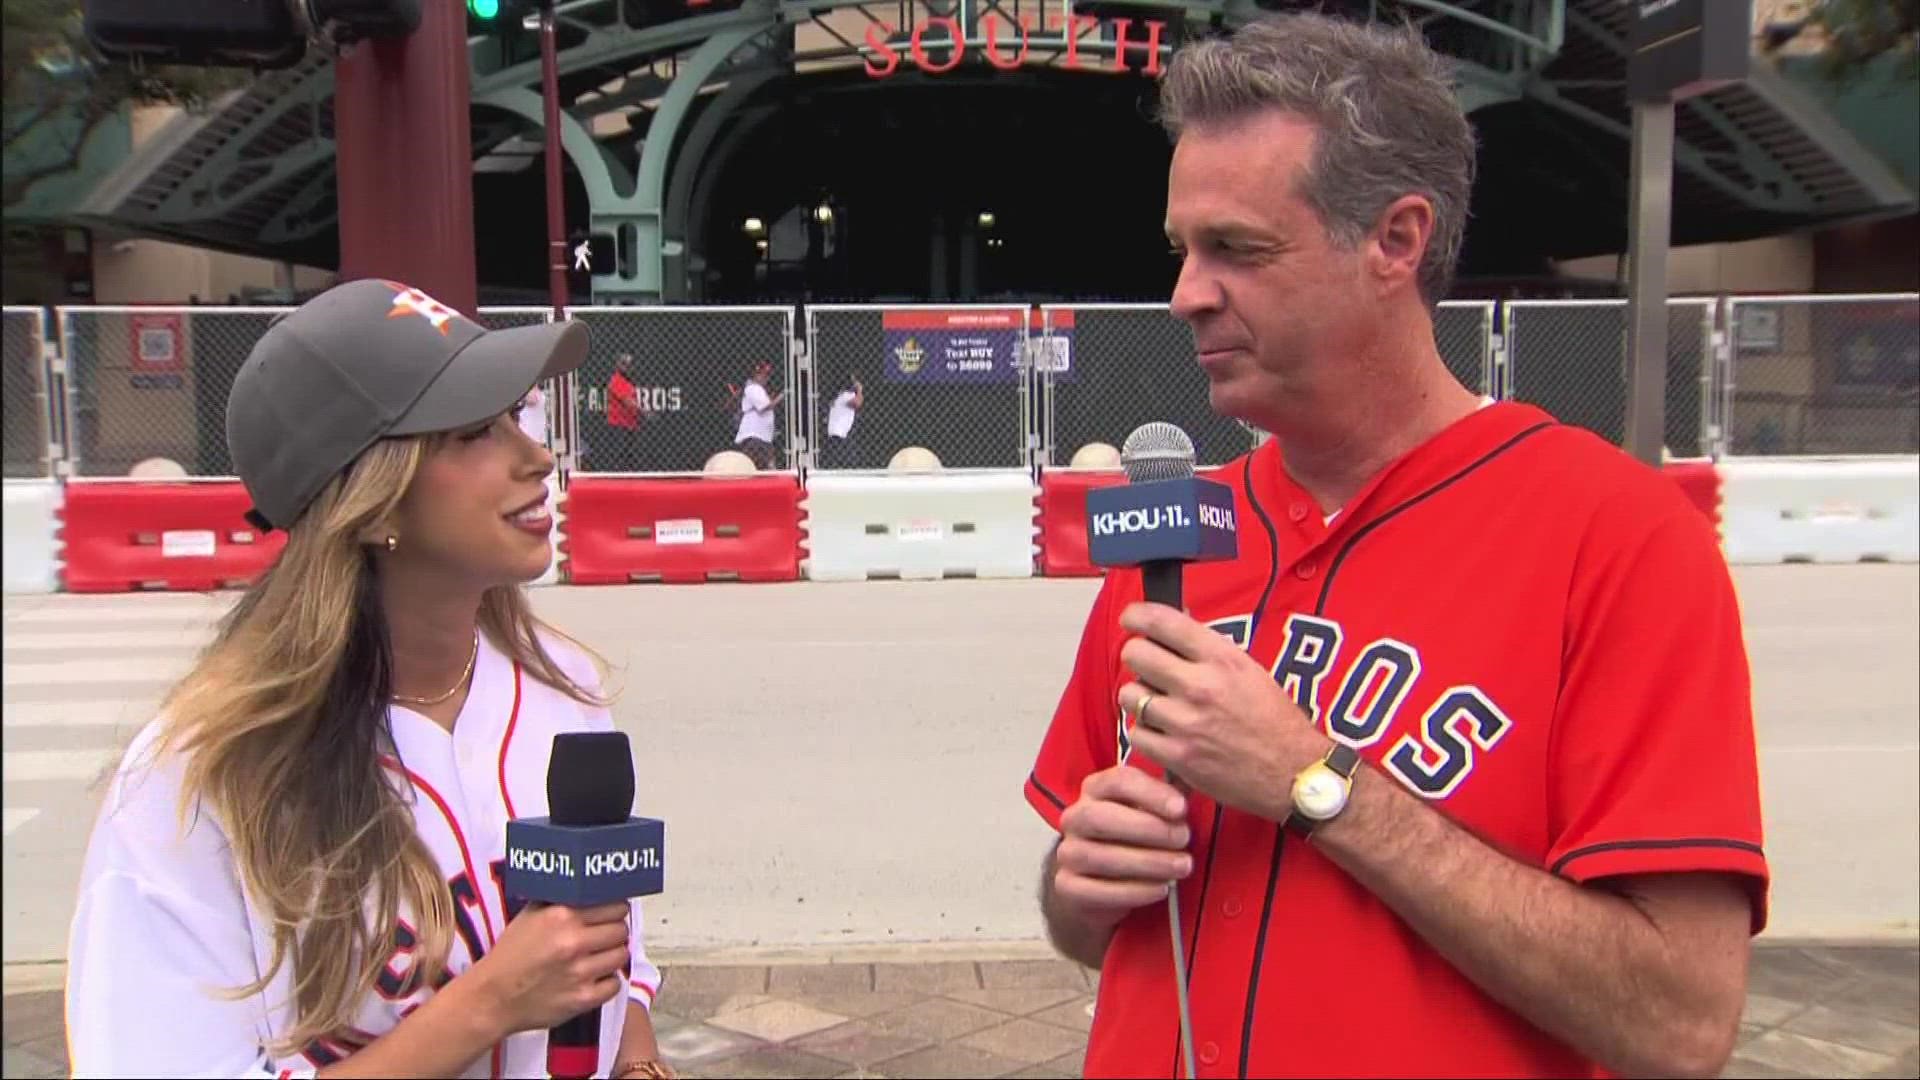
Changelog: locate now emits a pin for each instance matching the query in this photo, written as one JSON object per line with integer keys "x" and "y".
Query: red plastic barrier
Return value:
{"x": 681, "y": 530}
{"x": 1700, "y": 482}
{"x": 1063, "y": 521}
{"x": 175, "y": 537}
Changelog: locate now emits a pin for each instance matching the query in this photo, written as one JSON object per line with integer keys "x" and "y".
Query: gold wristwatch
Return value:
{"x": 1321, "y": 789}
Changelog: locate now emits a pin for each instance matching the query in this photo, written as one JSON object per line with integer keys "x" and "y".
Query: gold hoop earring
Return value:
{"x": 392, "y": 542}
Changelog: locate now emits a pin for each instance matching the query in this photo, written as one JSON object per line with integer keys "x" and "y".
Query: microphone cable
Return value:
{"x": 1180, "y": 961}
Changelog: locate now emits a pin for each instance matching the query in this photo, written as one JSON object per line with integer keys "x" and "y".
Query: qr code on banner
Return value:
{"x": 156, "y": 345}
{"x": 1050, "y": 356}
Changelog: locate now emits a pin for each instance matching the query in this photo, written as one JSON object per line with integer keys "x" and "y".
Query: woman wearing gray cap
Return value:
{"x": 297, "y": 871}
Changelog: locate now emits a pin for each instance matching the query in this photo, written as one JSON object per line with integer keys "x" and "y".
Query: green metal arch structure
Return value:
{"x": 255, "y": 174}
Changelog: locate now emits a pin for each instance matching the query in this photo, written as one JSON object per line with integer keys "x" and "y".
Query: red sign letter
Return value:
{"x": 992, "y": 20}
{"x": 953, "y": 35}
{"x": 1072, "y": 34}
{"x": 877, "y": 34}
{"x": 1121, "y": 45}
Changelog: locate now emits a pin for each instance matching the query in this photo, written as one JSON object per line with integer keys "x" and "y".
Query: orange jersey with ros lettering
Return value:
{"x": 1518, "y": 623}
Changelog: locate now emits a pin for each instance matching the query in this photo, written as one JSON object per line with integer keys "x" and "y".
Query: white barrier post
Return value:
{"x": 1821, "y": 511}
{"x": 32, "y": 521}
{"x": 920, "y": 528}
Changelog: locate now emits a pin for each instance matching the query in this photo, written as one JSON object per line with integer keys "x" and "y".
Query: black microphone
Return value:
{"x": 1164, "y": 517}
{"x": 587, "y": 851}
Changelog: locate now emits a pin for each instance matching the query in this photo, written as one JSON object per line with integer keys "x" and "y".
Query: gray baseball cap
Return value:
{"x": 367, "y": 360}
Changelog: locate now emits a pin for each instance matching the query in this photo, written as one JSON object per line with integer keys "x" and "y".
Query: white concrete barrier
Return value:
{"x": 919, "y": 528}
{"x": 1821, "y": 511}
{"x": 32, "y": 553}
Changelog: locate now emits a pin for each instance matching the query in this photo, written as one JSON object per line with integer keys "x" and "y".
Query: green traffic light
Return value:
{"x": 483, "y": 9}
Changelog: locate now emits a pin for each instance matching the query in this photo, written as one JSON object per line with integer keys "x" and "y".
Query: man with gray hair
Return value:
{"x": 1451, "y": 771}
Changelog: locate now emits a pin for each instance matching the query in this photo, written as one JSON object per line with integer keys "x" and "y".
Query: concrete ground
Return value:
{"x": 840, "y": 765}
{"x": 1812, "y": 1012}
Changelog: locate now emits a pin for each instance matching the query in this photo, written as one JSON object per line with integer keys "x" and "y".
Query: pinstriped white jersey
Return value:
{"x": 162, "y": 923}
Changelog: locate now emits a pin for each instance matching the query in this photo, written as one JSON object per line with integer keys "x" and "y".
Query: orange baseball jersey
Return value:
{"x": 163, "y": 924}
{"x": 1517, "y": 622}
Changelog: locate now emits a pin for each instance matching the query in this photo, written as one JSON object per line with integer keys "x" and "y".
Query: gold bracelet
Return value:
{"x": 650, "y": 1069}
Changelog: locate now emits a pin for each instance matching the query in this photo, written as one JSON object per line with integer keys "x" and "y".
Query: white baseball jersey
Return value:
{"x": 841, "y": 416}
{"x": 162, "y": 922}
{"x": 756, "y": 414}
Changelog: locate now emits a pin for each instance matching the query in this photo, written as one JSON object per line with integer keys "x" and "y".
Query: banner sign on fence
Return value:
{"x": 156, "y": 350}
{"x": 953, "y": 346}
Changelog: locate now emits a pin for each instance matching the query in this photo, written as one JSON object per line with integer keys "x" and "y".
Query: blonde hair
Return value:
{"x": 281, "y": 727}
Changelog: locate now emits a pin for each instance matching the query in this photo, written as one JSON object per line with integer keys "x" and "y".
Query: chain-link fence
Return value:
{"x": 1117, "y": 366}
{"x": 152, "y": 383}
{"x": 662, "y": 388}
{"x": 949, "y": 379}
{"x": 1463, "y": 331}
{"x": 29, "y": 412}
{"x": 1823, "y": 375}
{"x": 1569, "y": 357}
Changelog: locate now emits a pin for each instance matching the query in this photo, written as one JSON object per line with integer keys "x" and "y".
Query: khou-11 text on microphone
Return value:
{"x": 588, "y": 850}
{"x": 1164, "y": 517}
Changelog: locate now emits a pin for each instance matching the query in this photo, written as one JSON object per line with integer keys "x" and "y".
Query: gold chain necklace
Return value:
{"x": 471, "y": 657}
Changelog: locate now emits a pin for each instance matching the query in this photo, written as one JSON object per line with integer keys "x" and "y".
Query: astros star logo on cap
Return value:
{"x": 410, "y": 301}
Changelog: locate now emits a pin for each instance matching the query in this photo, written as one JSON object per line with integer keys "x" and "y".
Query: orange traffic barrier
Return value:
{"x": 681, "y": 530}
{"x": 124, "y": 537}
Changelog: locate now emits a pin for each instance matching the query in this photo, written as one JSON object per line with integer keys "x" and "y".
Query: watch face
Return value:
{"x": 1320, "y": 793}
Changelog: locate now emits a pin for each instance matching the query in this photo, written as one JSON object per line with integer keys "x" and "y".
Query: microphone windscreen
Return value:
{"x": 590, "y": 779}
{"x": 1157, "y": 451}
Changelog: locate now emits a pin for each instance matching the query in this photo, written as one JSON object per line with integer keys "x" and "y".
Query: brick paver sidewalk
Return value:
{"x": 1811, "y": 1011}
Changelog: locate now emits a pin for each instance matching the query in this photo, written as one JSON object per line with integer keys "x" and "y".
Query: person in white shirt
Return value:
{"x": 533, "y": 415}
{"x": 838, "y": 451}
{"x": 754, "y": 437}
{"x": 297, "y": 870}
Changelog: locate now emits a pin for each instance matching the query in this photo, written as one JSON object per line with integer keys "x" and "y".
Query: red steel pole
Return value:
{"x": 404, "y": 156}
{"x": 556, "y": 194}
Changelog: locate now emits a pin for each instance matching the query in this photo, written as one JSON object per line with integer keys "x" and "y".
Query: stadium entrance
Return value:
{"x": 973, "y": 185}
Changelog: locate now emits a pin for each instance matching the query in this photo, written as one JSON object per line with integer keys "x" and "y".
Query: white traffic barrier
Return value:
{"x": 919, "y": 528}
{"x": 1821, "y": 511}
{"x": 32, "y": 550}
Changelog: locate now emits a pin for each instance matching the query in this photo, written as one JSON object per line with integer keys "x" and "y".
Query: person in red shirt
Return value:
{"x": 1463, "y": 742}
{"x": 623, "y": 418}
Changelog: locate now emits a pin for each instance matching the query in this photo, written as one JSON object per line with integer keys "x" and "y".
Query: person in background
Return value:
{"x": 839, "y": 451}
{"x": 623, "y": 419}
{"x": 754, "y": 437}
{"x": 533, "y": 415}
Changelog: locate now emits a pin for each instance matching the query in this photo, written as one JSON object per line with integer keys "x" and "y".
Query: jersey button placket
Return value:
{"x": 1209, "y": 1053}
{"x": 1231, "y": 909}
{"x": 1305, "y": 569}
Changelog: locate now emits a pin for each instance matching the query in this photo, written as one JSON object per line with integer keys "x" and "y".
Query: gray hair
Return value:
{"x": 1389, "y": 124}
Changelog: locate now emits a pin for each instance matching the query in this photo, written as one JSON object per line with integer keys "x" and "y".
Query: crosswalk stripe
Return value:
{"x": 118, "y": 712}
{"x": 68, "y": 673}
{"x": 16, "y": 817}
{"x": 31, "y": 766}
{"x": 195, "y": 612}
{"x": 182, "y": 639}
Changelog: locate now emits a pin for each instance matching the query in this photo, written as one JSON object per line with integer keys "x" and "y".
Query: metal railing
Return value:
{"x": 951, "y": 379}
{"x": 1822, "y": 375}
{"x": 982, "y": 386}
{"x": 31, "y": 443}
{"x": 1569, "y": 357}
